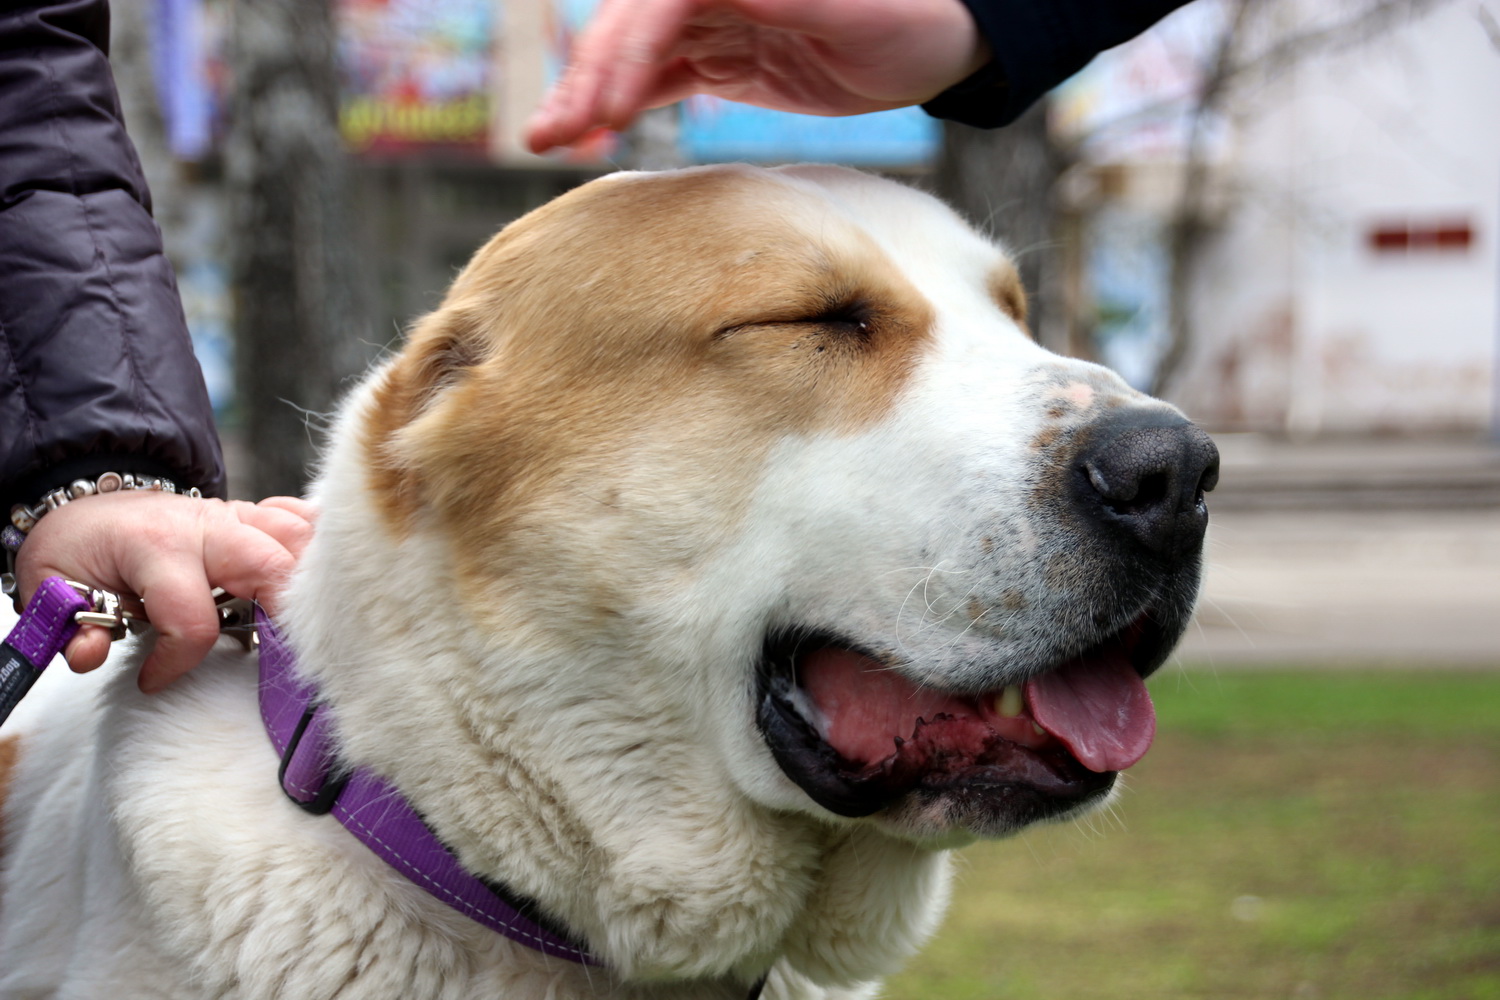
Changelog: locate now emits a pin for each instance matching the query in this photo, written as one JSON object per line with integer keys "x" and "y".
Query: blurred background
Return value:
{"x": 1282, "y": 215}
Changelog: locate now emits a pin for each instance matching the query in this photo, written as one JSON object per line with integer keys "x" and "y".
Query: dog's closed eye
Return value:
{"x": 851, "y": 317}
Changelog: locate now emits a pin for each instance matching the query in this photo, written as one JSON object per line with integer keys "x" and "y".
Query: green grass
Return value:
{"x": 1292, "y": 834}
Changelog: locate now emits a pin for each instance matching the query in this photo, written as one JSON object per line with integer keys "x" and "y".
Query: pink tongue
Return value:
{"x": 1099, "y": 708}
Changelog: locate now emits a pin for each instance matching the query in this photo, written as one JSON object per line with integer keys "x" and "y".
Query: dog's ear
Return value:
{"x": 1009, "y": 294}
{"x": 443, "y": 351}
{"x": 444, "y": 348}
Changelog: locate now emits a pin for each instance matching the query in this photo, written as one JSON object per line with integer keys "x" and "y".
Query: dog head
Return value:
{"x": 743, "y": 498}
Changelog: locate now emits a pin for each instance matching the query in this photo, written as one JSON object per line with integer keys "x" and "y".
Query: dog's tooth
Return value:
{"x": 1009, "y": 704}
{"x": 1038, "y": 729}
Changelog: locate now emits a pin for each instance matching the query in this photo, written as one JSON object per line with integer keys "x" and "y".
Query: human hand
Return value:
{"x": 168, "y": 551}
{"x": 820, "y": 57}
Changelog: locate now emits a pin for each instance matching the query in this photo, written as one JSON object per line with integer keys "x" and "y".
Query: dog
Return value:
{"x": 718, "y": 556}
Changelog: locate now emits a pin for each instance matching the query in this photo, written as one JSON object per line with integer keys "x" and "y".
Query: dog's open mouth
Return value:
{"x": 859, "y": 737}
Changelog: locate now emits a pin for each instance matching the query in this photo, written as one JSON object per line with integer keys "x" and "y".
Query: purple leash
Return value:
{"x": 49, "y": 621}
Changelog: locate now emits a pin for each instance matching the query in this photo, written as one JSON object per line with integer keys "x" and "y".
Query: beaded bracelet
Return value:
{"x": 23, "y": 518}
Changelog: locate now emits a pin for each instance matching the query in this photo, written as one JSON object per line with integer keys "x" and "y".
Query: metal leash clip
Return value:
{"x": 236, "y": 615}
{"x": 108, "y": 611}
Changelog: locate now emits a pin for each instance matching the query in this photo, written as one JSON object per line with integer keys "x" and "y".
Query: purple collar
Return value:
{"x": 376, "y": 813}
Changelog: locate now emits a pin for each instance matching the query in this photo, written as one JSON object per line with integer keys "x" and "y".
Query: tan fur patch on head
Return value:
{"x": 10, "y": 752}
{"x": 1006, "y": 289}
{"x": 639, "y": 344}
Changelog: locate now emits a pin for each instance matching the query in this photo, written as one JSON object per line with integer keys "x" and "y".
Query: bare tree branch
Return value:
{"x": 1188, "y": 231}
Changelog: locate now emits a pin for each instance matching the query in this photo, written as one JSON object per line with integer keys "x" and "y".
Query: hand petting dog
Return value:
{"x": 817, "y": 57}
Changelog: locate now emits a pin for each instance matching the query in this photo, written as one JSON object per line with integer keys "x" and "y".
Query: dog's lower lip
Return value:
{"x": 999, "y": 768}
{"x": 955, "y": 757}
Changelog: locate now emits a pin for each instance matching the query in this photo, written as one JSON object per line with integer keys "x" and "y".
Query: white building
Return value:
{"x": 1350, "y": 279}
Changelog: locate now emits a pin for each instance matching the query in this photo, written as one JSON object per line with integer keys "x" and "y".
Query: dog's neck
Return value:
{"x": 582, "y": 787}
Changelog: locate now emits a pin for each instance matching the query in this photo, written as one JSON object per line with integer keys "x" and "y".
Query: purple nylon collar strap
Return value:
{"x": 372, "y": 810}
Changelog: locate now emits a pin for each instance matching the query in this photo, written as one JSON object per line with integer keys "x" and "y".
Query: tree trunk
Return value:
{"x": 299, "y": 319}
{"x": 1003, "y": 180}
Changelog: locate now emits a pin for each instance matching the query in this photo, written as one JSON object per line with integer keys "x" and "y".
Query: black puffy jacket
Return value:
{"x": 96, "y": 368}
{"x": 1038, "y": 44}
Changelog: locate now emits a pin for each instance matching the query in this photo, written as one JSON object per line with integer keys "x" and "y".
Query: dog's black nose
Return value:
{"x": 1143, "y": 475}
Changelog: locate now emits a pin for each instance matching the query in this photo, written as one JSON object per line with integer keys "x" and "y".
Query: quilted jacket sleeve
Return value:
{"x": 1038, "y": 44}
{"x": 97, "y": 371}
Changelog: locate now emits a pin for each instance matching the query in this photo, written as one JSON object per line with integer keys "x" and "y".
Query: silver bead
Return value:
{"x": 110, "y": 482}
{"x": 20, "y": 516}
{"x": 55, "y": 498}
{"x": 81, "y": 488}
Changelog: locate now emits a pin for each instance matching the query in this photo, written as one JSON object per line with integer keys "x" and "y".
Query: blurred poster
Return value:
{"x": 416, "y": 74}
{"x": 714, "y": 130}
{"x": 191, "y": 74}
{"x": 446, "y": 77}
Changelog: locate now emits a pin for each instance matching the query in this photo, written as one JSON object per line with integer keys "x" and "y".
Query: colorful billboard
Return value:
{"x": 460, "y": 77}
{"x": 416, "y": 75}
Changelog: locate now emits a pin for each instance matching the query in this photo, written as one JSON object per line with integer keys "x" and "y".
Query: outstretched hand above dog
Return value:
{"x": 169, "y": 551}
{"x": 821, "y": 57}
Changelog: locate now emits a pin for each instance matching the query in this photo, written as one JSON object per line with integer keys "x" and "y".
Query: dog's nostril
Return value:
{"x": 1146, "y": 479}
{"x": 1148, "y": 492}
{"x": 1210, "y": 477}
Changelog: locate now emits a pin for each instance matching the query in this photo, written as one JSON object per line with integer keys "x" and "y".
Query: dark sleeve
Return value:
{"x": 97, "y": 371}
{"x": 1038, "y": 44}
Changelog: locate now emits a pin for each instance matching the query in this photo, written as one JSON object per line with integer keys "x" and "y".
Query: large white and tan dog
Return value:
{"x": 719, "y": 555}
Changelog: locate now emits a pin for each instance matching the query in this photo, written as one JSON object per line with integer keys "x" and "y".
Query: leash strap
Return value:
{"x": 375, "y": 812}
{"x": 46, "y": 625}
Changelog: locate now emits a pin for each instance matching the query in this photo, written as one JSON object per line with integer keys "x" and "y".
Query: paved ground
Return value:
{"x": 1352, "y": 552}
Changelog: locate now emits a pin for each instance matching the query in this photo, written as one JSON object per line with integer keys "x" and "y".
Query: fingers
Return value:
{"x": 181, "y": 608}
{"x": 614, "y": 65}
{"x": 635, "y": 56}
{"x": 171, "y": 551}
{"x": 253, "y": 552}
{"x": 288, "y": 520}
{"x": 824, "y": 57}
{"x": 304, "y": 509}
{"x": 88, "y": 649}
{"x": 248, "y": 549}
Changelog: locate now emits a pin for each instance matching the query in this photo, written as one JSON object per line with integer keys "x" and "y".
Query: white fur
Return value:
{"x": 616, "y": 776}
